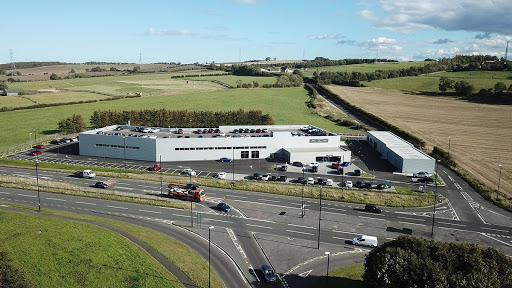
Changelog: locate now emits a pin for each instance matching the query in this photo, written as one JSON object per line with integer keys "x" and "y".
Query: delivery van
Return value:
{"x": 365, "y": 240}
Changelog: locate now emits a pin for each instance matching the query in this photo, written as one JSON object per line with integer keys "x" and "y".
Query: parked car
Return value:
{"x": 268, "y": 273}
{"x": 220, "y": 175}
{"x": 425, "y": 180}
{"x": 300, "y": 180}
{"x": 382, "y": 186}
{"x": 421, "y": 175}
{"x": 189, "y": 171}
{"x": 65, "y": 140}
{"x": 224, "y": 207}
{"x": 155, "y": 167}
{"x": 101, "y": 184}
{"x": 335, "y": 165}
{"x": 340, "y": 171}
{"x": 226, "y": 159}
{"x": 367, "y": 185}
{"x": 55, "y": 142}
{"x": 297, "y": 164}
{"x": 256, "y": 176}
{"x": 311, "y": 181}
{"x": 36, "y": 152}
{"x": 180, "y": 131}
{"x": 357, "y": 172}
{"x": 348, "y": 184}
{"x": 320, "y": 181}
{"x": 264, "y": 177}
{"x": 372, "y": 208}
{"x": 273, "y": 178}
{"x": 359, "y": 184}
{"x": 199, "y": 131}
{"x": 345, "y": 164}
{"x": 75, "y": 139}
{"x": 313, "y": 164}
{"x": 40, "y": 146}
{"x": 328, "y": 182}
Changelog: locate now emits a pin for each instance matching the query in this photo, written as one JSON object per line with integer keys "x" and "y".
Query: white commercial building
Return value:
{"x": 400, "y": 153}
{"x": 285, "y": 142}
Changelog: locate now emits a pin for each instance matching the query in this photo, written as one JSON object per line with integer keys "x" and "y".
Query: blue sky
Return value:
{"x": 231, "y": 30}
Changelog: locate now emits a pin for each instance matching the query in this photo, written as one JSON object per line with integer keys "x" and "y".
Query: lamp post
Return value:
{"x": 319, "y": 217}
{"x": 209, "y": 231}
{"x": 161, "y": 180}
{"x": 124, "y": 150}
{"x": 435, "y": 199}
{"x": 37, "y": 183}
{"x": 303, "y": 187}
{"x": 30, "y": 139}
{"x": 233, "y": 160}
{"x": 328, "y": 254}
{"x": 499, "y": 180}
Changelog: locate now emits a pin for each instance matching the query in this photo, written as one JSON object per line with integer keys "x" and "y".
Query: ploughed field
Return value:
{"x": 479, "y": 135}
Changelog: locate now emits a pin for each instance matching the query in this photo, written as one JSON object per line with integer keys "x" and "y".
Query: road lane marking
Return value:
{"x": 121, "y": 187}
{"x": 463, "y": 225}
{"x": 117, "y": 207}
{"x": 156, "y": 212}
{"x": 56, "y": 199}
{"x": 262, "y": 220}
{"x": 84, "y": 203}
{"x": 455, "y": 229}
{"x": 293, "y": 231}
{"x": 179, "y": 215}
{"x": 337, "y": 231}
{"x": 506, "y": 231}
{"x": 410, "y": 218}
{"x": 220, "y": 220}
{"x": 409, "y": 223}
{"x": 302, "y": 226}
{"x": 371, "y": 218}
{"x": 33, "y": 196}
{"x": 341, "y": 238}
{"x": 5, "y": 193}
{"x": 496, "y": 239}
{"x": 259, "y": 226}
{"x": 269, "y": 200}
{"x": 236, "y": 196}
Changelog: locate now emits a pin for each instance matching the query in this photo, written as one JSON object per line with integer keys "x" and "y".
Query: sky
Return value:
{"x": 220, "y": 31}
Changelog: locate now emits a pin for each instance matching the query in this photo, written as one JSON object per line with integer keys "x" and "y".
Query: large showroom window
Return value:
{"x": 245, "y": 154}
{"x": 255, "y": 154}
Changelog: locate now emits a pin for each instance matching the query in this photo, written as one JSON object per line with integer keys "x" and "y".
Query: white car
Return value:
{"x": 264, "y": 177}
{"x": 311, "y": 181}
{"x": 328, "y": 182}
{"x": 314, "y": 164}
{"x": 152, "y": 136}
{"x": 154, "y": 130}
{"x": 189, "y": 171}
{"x": 348, "y": 184}
{"x": 74, "y": 139}
{"x": 146, "y": 130}
{"x": 220, "y": 175}
{"x": 421, "y": 175}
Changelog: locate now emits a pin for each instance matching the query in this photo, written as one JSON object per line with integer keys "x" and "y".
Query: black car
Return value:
{"x": 269, "y": 274}
{"x": 300, "y": 180}
{"x": 101, "y": 185}
{"x": 367, "y": 185}
{"x": 382, "y": 186}
{"x": 320, "y": 181}
{"x": 372, "y": 208}
{"x": 282, "y": 178}
{"x": 256, "y": 176}
{"x": 425, "y": 180}
{"x": 297, "y": 164}
{"x": 359, "y": 184}
{"x": 55, "y": 141}
{"x": 357, "y": 172}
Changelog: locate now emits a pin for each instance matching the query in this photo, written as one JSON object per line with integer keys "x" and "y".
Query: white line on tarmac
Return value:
{"x": 156, "y": 212}
{"x": 259, "y": 226}
{"x": 56, "y": 199}
{"x": 342, "y": 238}
{"x": 293, "y": 231}
{"x": 495, "y": 229}
{"x": 370, "y": 218}
{"x": 455, "y": 229}
{"x": 463, "y": 225}
{"x": 236, "y": 196}
{"x": 5, "y": 193}
{"x": 84, "y": 203}
{"x": 121, "y": 187}
{"x": 117, "y": 207}
{"x": 220, "y": 220}
{"x": 269, "y": 200}
{"x": 409, "y": 223}
{"x": 497, "y": 240}
{"x": 302, "y": 226}
{"x": 337, "y": 231}
{"x": 262, "y": 220}
{"x": 410, "y": 218}
{"x": 34, "y": 196}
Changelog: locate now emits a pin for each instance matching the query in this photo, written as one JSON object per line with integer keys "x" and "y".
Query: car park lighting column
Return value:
{"x": 37, "y": 183}
{"x": 319, "y": 217}
{"x": 233, "y": 160}
{"x": 328, "y": 254}
{"x": 499, "y": 180}
{"x": 435, "y": 198}
{"x": 303, "y": 187}
{"x": 124, "y": 151}
{"x": 209, "y": 241}
{"x": 161, "y": 180}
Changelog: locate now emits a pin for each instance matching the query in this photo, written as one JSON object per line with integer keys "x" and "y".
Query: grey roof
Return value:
{"x": 398, "y": 145}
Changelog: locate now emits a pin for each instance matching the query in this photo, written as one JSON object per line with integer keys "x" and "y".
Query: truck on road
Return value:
{"x": 85, "y": 174}
{"x": 187, "y": 192}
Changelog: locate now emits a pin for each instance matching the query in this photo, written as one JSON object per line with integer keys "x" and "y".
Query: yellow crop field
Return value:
{"x": 478, "y": 136}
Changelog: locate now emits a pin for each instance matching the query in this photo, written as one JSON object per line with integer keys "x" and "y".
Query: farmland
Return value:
{"x": 363, "y": 68}
{"x": 476, "y": 135}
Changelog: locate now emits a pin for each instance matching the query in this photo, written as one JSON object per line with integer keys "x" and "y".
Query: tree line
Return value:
{"x": 180, "y": 118}
{"x": 498, "y": 94}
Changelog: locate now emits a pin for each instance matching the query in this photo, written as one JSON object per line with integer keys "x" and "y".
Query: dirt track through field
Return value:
{"x": 478, "y": 136}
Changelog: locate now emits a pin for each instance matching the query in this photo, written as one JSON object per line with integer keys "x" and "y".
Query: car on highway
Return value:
{"x": 365, "y": 240}
{"x": 224, "y": 207}
{"x": 220, "y": 175}
{"x": 36, "y": 152}
{"x": 101, "y": 184}
{"x": 226, "y": 159}
{"x": 268, "y": 273}
{"x": 421, "y": 175}
{"x": 348, "y": 184}
{"x": 297, "y": 164}
{"x": 40, "y": 146}
{"x": 372, "y": 208}
{"x": 188, "y": 171}
{"x": 155, "y": 167}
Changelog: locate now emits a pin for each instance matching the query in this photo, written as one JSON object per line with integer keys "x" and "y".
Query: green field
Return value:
{"x": 430, "y": 83}
{"x": 363, "y": 68}
{"x": 62, "y": 253}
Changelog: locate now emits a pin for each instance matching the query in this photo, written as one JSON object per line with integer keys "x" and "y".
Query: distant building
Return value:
{"x": 10, "y": 92}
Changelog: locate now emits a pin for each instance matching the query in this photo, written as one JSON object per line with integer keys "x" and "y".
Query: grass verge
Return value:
{"x": 346, "y": 277}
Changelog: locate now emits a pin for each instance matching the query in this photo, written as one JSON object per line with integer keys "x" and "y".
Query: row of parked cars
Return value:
{"x": 267, "y": 177}
{"x": 247, "y": 130}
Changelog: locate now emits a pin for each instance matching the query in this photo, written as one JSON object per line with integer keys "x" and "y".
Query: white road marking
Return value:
{"x": 337, "y": 231}
{"x": 156, "y": 212}
{"x": 371, "y": 218}
{"x": 5, "y": 193}
{"x": 84, "y": 203}
{"x": 342, "y": 238}
{"x": 56, "y": 199}
{"x": 117, "y": 207}
{"x": 259, "y": 226}
{"x": 302, "y": 226}
{"x": 410, "y": 218}
{"x": 463, "y": 225}
{"x": 121, "y": 187}
{"x": 409, "y": 223}
{"x": 220, "y": 220}
{"x": 236, "y": 196}
{"x": 455, "y": 229}
{"x": 33, "y": 196}
{"x": 506, "y": 231}
{"x": 293, "y": 231}
{"x": 269, "y": 200}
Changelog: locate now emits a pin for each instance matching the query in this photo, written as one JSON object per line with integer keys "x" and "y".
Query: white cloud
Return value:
{"x": 152, "y": 31}
{"x": 325, "y": 37}
{"x": 245, "y": 1}
{"x": 492, "y": 16}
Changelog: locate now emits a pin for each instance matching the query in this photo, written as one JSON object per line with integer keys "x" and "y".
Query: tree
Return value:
{"x": 416, "y": 262}
{"x": 54, "y": 77}
{"x": 267, "y": 59}
{"x": 499, "y": 87}
{"x": 72, "y": 71}
{"x": 464, "y": 88}
{"x": 72, "y": 124}
{"x": 445, "y": 83}
{"x": 3, "y": 85}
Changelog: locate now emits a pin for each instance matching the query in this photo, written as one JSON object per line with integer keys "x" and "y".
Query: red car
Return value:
{"x": 199, "y": 131}
{"x": 36, "y": 152}
{"x": 155, "y": 167}
{"x": 40, "y": 146}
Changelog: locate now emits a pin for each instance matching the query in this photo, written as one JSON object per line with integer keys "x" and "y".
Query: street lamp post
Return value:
{"x": 233, "y": 160}
{"x": 209, "y": 231}
{"x": 30, "y": 139}
{"x": 435, "y": 199}
{"x": 499, "y": 180}
{"x": 37, "y": 183}
{"x": 303, "y": 187}
{"x": 328, "y": 254}
{"x": 319, "y": 217}
{"x": 124, "y": 150}
{"x": 161, "y": 180}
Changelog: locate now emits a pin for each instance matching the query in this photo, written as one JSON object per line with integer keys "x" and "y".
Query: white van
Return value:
{"x": 364, "y": 240}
